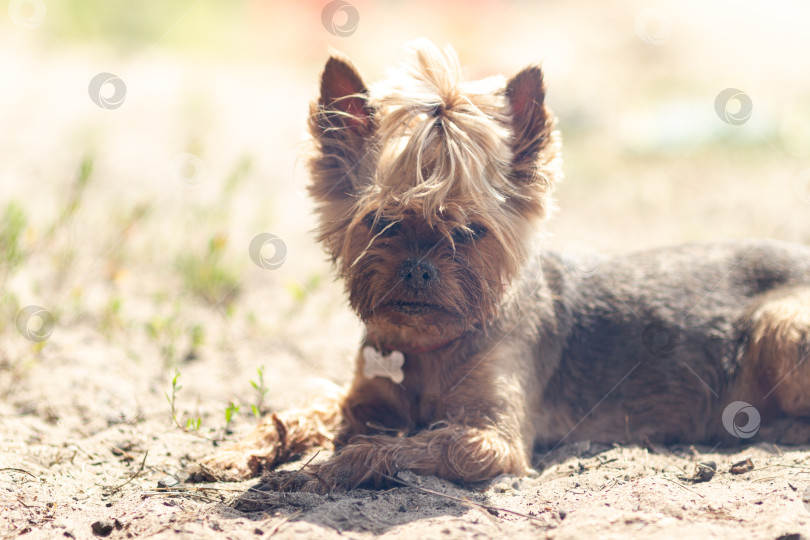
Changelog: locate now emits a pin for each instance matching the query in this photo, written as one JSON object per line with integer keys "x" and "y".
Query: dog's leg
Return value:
{"x": 273, "y": 442}
{"x": 776, "y": 365}
{"x": 453, "y": 452}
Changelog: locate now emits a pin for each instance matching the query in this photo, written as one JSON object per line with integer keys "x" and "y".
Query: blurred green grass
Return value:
{"x": 130, "y": 26}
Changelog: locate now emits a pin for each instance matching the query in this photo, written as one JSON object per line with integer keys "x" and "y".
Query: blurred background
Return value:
{"x": 144, "y": 145}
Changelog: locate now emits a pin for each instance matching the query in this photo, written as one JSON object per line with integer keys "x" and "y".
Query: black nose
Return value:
{"x": 418, "y": 275}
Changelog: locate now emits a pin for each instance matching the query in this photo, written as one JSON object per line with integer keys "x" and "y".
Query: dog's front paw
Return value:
{"x": 290, "y": 481}
{"x": 320, "y": 478}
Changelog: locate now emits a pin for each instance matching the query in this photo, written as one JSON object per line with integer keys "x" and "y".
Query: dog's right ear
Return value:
{"x": 344, "y": 96}
{"x": 341, "y": 122}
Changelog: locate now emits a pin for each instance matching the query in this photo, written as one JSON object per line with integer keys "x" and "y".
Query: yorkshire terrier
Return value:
{"x": 481, "y": 346}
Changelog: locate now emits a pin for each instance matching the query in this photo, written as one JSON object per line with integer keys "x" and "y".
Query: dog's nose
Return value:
{"x": 418, "y": 275}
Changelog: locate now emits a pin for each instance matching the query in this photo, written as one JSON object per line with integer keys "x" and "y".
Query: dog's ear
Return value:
{"x": 341, "y": 122}
{"x": 532, "y": 123}
{"x": 344, "y": 96}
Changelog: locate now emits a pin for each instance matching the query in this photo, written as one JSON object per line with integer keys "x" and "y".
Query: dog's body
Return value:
{"x": 655, "y": 345}
{"x": 430, "y": 191}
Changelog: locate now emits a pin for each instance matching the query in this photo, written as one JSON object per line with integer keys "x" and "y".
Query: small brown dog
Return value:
{"x": 480, "y": 347}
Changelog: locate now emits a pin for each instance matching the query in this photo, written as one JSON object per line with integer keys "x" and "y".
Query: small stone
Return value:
{"x": 705, "y": 471}
{"x": 409, "y": 477}
{"x": 167, "y": 482}
{"x": 742, "y": 466}
{"x": 103, "y": 527}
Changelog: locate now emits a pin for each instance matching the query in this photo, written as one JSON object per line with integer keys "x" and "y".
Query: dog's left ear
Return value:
{"x": 532, "y": 123}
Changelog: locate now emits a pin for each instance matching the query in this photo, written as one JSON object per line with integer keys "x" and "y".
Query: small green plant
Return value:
{"x": 111, "y": 316}
{"x": 300, "y": 292}
{"x": 242, "y": 169}
{"x": 73, "y": 199}
{"x": 230, "y": 410}
{"x": 192, "y": 424}
{"x": 118, "y": 248}
{"x": 12, "y": 227}
{"x": 178, "y": 341}
{"x": 197, "y": 337}
{"x": 208, "y": 276}
{"x": 261, "y": 390}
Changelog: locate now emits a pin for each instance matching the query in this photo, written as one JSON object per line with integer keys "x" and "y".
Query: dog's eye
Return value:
{"x": 383, "y": 226}
{"x": 473, "y": 231}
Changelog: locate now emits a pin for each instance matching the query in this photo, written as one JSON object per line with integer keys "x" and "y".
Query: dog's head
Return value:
{"x": 430, "y": 189}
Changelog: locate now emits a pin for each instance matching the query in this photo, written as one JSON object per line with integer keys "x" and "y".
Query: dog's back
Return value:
{"x": 673, "y": 326}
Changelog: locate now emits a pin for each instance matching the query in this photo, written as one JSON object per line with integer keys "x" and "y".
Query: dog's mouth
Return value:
{"x": 414, "y": 308}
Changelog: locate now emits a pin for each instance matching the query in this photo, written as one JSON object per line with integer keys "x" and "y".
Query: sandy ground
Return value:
{"x": 140, "y": 254}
